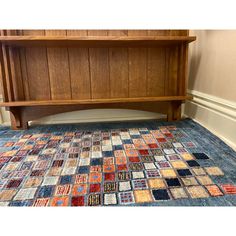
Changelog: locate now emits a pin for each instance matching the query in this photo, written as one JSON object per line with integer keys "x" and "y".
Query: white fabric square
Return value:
{"x": 27, "y": 193}
{"x": 84, "y": 162}
{"x": 50, "y": 180}
{"x": 124, "y": 186}
{"x": 110, "y": 199}
{"x": 149, "y": 166}
{"x": 160, "y": 158}
{"x": 137, "y": 174}
{"x": 169, "y": 151}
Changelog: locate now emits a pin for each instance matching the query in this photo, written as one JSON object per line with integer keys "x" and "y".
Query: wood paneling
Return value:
{"x": 100, "y": 70}
{"x": 35, "y": 70}
{"x": 59, "y": 72}
{"x": 79, "y": 68}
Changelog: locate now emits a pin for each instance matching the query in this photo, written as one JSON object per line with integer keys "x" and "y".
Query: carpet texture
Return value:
{"x": 145, "y": 163}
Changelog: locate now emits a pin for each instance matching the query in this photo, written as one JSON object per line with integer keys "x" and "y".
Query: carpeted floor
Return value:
{"x": 146, "y": 163}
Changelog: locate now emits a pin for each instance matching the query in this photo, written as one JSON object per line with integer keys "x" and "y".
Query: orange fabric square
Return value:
{"x": 79, "y": 189}
{"x": 95, "y": 177}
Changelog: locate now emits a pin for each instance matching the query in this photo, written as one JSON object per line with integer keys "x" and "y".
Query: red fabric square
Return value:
{"x": 143, "y": 152}
{"x": 94, "y": 188}
{"x": 169, "y": 135}
{"x": 77, "y": 201}
{"x": 134, "y": 159}
{"x": 153, "y": 145}
{"x": 109, "y": 177}
{"x": 122, "y": 167}
{"x": 161, "y": 140}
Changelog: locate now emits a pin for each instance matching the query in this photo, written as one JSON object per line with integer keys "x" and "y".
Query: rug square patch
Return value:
{"x": 178, "y": 193}
{"x": 54, "y": 171}
{"x": 168, "y": 173}
{"x": 142, "y": 196}
{"x": 149, "y": 166}
{"x": 122, "y": 176}
{"x": 228, "y": 188}
{"x": 126, "y": 198}
{"x": 63, "y": 190}
{"x": 184, "y": 172}
{"x": 204, "y": 180}
{"x": 137, "y": 174}
{"x": 25, "y": 193}
{"x": 214, "y": 190}
{"x": 109, "y": 187}
{"x": 122, "y": 167}
{"x": 121, "y": 160}
{"x": 79, "y": 189}
{"x": 187, "y": 156}
{"x": 173, "y": 182}
{"x": 156, "y": 183}
{"x": 14, "y": 183}
{"x": 95, "y": 169}
{"x": 60, "y": 201}
{"x": 140, "y": 184}
{"x": 173, "y": 157}
{"x": 109, "y": 177}
{"x": 68, "y": 171}
{"x": 188, "y": 181}
{"x": 94, "y": 188}
{"x": 84, "y": 161}
{"x": 94, "y": 200}
{"x": 7, "y": 195}
{"x": 213, "y": 170}
{"x": 33, "y": 182}
{"x": 134, "y": 159}
{"x": 131, "y": 152}
{"x": 163, "y": 165}
{"x": 81, "y": 178}
{"x": 66, "y": 179}
{"x": 110, "y": 199}
{"x": 45, "y": 191}
{"x": 41, "y": 202}
{"x": 152, "y": 173}
{"x": 160, "y": 158}
{"x": 160, "y": 194}
{"x": 179, "y": 165}
{"x": 124, "y": 186}
{"x": 197, "y": 192}
{"x": 50, "y": 180}
{"x": 200, "y": 156}
{"x": 169, "y": 151}
{"x": 108, "y": 161}
{"x": 95, "y": 177}
{"x": 193, "y": 163}
{"x": 108, "y": 168}
{"x": 77, "y": 201}
{"x": 198, "y": 171}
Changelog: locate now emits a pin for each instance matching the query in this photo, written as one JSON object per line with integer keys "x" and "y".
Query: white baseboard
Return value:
{"x": 216, "y": 114}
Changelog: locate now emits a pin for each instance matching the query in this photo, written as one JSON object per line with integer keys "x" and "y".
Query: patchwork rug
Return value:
{"x": 116, "y": 164}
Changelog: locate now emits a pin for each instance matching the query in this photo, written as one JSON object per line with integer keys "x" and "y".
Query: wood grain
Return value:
{"x": 100, "y": 72}
{"x": 59, "y": 72}
{"x": 79, "y": 68}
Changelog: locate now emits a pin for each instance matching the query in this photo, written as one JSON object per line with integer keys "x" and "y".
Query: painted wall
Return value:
{"x": 212, "y": 63}
{"x": 212, "y": 82}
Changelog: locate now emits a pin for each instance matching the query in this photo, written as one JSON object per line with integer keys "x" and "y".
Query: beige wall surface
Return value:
{"x": 212, "y": 63}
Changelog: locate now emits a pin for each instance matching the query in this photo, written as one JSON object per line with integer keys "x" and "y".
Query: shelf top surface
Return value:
{"x": 94, "y": 40}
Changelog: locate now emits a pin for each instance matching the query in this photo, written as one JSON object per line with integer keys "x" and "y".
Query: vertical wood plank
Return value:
{"x": 99, "y": 68}
{"x": 137, "y": 68}
{"x": 35, "y": 70}
{"x": 119, "y": 68}
{"x": 79, "y": 68}
{"x": 58, "y": 65}
{"x": 171, "y": 84}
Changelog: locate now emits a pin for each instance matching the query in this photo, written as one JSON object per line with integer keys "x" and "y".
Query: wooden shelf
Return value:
{"x": 94, "y": 41}
{"x": 93, "y": 101}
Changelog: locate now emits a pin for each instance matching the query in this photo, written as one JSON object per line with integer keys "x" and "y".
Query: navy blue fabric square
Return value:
{"x": 21, "y": 203}
{"x": 200, "y": 156}
{"x": 118, "y": 147}
{"x": 96, "y": 161}
{"x": 184, "y": 172}
{"x": 83, "y": 170}
{"x": 160, "y": 194}
{"x": 193, "y": 163}
{"x": 173, "y": 182}
{"x": 66, "y": 179}
{"x": 127, "y": 141}
{"x": 135, "y": 136}
{"x": 45, "y": 191}
{"x": 107, "y": 153}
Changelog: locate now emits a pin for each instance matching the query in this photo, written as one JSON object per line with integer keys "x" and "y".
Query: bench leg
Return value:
{"x": 174, "y": 111}
{"x": 17, "y": 122}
